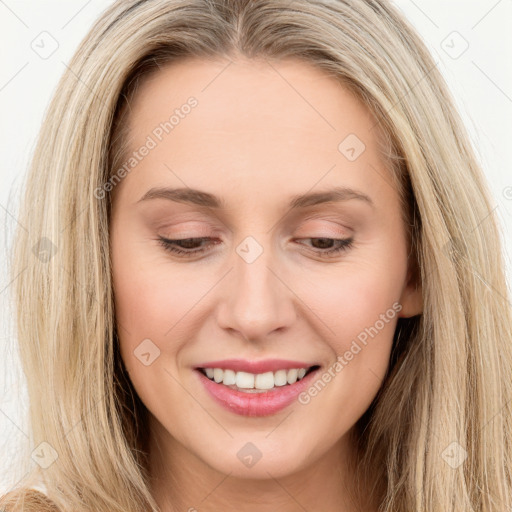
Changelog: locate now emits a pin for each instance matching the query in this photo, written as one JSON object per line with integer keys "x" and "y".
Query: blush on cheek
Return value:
{"x": 155, "y": 303}
{"x": 357, "y": 315}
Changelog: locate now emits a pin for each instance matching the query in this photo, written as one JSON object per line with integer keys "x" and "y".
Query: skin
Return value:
{"x": 260, "y": 134}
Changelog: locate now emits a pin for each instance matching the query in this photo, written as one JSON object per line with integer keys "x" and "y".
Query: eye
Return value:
{"x": 184, "y": 246}
{"x": 340, "y": 245}
{"x": 189, "y": 246}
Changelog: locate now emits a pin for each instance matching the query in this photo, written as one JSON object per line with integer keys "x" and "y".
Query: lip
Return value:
{"x": 256, "y": 404}
{"x": 263, "y": 366}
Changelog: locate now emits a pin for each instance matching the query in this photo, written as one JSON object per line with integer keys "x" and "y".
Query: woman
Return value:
{"x": 185, "y": 347}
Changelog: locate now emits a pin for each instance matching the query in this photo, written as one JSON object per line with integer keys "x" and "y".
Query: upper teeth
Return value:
{"x": 250, "y": 380}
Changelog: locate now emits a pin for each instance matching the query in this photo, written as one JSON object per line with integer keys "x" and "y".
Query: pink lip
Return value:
{"x": 266, "y": 365}
{"x": 256, "y": 404}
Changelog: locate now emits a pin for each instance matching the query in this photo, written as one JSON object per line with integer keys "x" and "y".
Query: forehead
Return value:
{"x": 243, "y": 94}
{"x": 271, "y": 125}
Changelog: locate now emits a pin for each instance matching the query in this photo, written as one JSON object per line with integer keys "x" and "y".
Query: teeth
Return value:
{"x": 280, "y": 377}
{"x": 292, "y": 376}
{"x": 262, "y": 381}
{"x": 218, "y": 375}
{"x": 229, "y": 377}
{"x": 243, "y": 380}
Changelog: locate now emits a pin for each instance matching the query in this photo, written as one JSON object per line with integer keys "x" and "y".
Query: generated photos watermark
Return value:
{"x": 152, "y": 140}
{"x": 343, "y": 360}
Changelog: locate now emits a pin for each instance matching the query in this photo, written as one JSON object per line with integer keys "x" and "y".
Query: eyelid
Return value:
{"x": 197, "y": 229}
{"x": 166, "y": 219}
{"x": 339, "y": 229}
{"x": 207, "y": 227}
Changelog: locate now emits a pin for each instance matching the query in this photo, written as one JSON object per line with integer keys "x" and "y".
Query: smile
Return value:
{"x": 255, "y": 383}
{"x": 252, "y": 395}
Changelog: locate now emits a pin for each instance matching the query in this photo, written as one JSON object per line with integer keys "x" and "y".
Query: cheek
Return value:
{"x": 357, "y": 308}
{"x": 356, "y": 312}
{"x": 142, "y": 310}
{"x": 149, "y": 299}
{"x": 157, "y": 301}
{"x": 355, "y": 297}
{"x": 148, "y": 303}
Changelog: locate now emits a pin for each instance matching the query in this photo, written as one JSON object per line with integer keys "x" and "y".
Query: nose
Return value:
{"x": 258, "y": 300}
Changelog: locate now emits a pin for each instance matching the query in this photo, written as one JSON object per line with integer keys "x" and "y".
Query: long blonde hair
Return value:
{"x": 448, "y": 392}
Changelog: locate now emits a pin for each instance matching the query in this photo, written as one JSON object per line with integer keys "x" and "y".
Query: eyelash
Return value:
{"x": 169, "y": 245}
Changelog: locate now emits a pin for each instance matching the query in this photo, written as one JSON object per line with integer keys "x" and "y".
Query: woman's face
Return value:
{"x": 240, "y": 148}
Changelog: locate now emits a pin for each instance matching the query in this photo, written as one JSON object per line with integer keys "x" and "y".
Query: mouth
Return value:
{"x": 256, "y": 395}
{"x": 246, "y": 382}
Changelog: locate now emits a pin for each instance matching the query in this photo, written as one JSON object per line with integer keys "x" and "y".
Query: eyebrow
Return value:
{"x": 207, "y": 200}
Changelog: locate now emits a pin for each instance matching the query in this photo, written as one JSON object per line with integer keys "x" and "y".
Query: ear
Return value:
{"x": 412, "y": 296}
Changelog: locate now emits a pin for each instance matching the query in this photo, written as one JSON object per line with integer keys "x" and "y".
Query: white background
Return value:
{"x": 480, "y": 79}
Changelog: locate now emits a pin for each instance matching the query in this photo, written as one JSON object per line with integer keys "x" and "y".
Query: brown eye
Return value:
{"x": 325, "y": 245}
{"x": 185, "y": 246}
